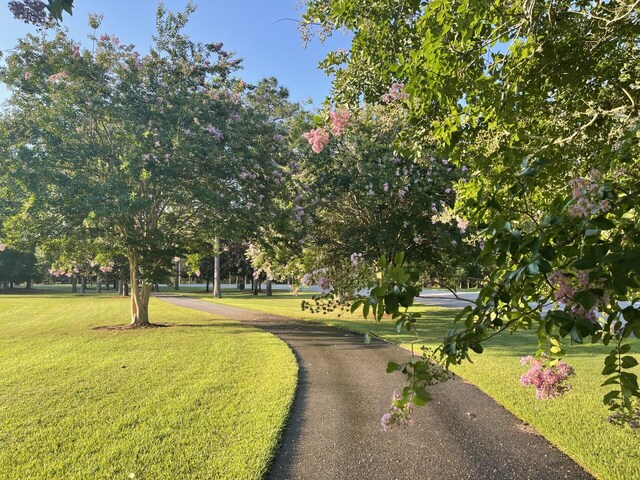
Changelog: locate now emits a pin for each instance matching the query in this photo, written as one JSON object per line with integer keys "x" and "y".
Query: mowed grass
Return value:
{"x": 206, "y": 398}
{"x": 576, "y": 423}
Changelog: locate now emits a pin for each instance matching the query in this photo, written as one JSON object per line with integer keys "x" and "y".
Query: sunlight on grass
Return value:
{"x": 206, "y": 398}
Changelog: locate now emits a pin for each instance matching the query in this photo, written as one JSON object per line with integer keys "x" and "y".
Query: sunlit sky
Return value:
{"x": 255, "y": 29}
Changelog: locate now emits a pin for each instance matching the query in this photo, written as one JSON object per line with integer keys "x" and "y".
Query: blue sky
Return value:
{"x": 251, "y": 28}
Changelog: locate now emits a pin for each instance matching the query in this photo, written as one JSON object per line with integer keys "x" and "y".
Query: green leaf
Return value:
{"x": 421, "y": 396}
{"x": 585, "y": 298}
{"x": 602, "y": 223}
{"x": 392, "y": 367}
{"x": 629, "y": 362}
{"x": 585, "y": 263}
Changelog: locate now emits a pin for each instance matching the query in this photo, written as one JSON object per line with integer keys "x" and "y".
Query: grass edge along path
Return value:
{"x": 575, "y": 423}
{"x": 206, "y": 398}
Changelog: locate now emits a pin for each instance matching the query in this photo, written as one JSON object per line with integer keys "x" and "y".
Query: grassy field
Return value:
{"x": 576, "y": 423}
{"x": 206, "y": 398}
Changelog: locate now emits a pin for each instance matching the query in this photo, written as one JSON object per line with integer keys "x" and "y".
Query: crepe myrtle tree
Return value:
{"x": 259, "y": 141}
{"x": 362, "y": 197}
{"x": 540, "y": 100}
{"x": 128, "y": 148}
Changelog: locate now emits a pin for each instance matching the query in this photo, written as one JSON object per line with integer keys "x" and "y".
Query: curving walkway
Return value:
{"x": 334, "y": 433}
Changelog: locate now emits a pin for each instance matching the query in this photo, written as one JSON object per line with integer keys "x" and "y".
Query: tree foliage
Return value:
{"x": 540, "y": 100}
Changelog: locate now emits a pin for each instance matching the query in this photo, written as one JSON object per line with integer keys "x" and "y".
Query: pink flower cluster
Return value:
{"x": 566, "y": 288}
{"x": 587, "y": 194}
{"x": 339, "y": 121}
{"x": 396, "y": 92}
{"x": 58, "y": 76}
{"x": 306, "y": 280}
{"x": 321, "y": 281}
{"x": 356, "y": 259}
{"x": 3, "y": 247}
{"x": 324, "y": 284}
{"x": 549, "y": 381}
{"x": 214, "y": 132}
{"x": 398, "y": 414}
{"x": 107, "y": 268}
{"x": 57, "y": 273}
{"x": 317, "y": 138}
{"x": 462, "y": 225}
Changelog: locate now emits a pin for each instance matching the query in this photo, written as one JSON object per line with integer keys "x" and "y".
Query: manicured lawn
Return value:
{"x": 576, "y": 423}
{"x": 206, "y": 398}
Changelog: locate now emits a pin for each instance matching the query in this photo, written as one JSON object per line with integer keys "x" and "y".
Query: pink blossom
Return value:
{"x": 28, "y": 75}
{"x": 214, "y": 132}
{"x": 306, "y": 280}
{"x": 385, "y": 422}
{"x": 396, "y": 92}
{"x": 3, "y": 247}
{"x": 56, "y": 77}
{"x": 339, "y": 121}
{"x": 462, "y": 225}
{"x": 76, "y": 50}
{"x": 549, "y": 381}
{"x": 317, "y": 138}
{"x": 324, "y": 284}
{"x": 356, "y": 259}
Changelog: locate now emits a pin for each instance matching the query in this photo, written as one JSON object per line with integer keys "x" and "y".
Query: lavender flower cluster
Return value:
{"x": 30, "y": 11}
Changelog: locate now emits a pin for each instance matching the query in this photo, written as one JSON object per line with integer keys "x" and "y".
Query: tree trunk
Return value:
{"x": 74, "y": 284}
{"x": 269, "y": 288}
{"x": 177, "y": 279}
{"x": 115, "y": 283}
{"x": 207, "y": 285}
{"x": 125, "y": 288}
{"x": 83, "y": 284}
{"x": 140, "y": 294}
{"x": 29, "y": 284}
{"x": 98, "y": 285}
{"x": 256, "y": 286}
{"x": 120, "y": 287}
{"x": 240, "y": 282}
{"x": 217, "y": 293}
{"x": 107, "y": 284}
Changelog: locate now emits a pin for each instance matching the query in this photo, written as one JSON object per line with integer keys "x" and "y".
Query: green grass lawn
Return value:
{"x": 576, "y": 423}
{"x": 206, "y": 398}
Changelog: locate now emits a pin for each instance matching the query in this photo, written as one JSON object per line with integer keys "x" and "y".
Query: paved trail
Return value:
{"x": 333, "y": 432}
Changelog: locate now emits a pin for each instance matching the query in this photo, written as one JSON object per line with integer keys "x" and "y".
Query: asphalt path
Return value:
{"x": 334, "y": 433}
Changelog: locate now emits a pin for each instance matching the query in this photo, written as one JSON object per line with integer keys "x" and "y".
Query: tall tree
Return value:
{"x": 131, "y": 149}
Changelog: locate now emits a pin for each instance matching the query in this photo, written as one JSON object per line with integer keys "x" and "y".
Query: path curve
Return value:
{"x": 333, "y": 431}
